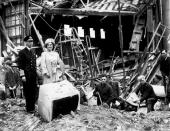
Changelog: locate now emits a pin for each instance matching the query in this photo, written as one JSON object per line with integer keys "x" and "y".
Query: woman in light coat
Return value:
{"x": 51, "y": 64}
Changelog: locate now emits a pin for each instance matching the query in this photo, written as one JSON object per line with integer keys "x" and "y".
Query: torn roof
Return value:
{"x": 112, "y": 5}
{"x": 93, "y": 7}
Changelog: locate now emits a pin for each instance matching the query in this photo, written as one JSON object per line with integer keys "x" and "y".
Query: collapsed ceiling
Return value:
{"x": 92, "y": 7}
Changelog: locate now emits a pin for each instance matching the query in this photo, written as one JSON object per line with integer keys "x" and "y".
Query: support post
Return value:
{"x": 121, "y": 42}
{"x": 27, "y": 29}
{"x": 89, "y": 61}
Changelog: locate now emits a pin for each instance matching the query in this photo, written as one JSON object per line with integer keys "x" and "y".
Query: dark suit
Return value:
{"x": 147, "y": 93}
{"x": 106, "y": 93}
{"x": 27, "y": 62}
{"x": 115, "y": 88}
{"x": 165, "y": 70}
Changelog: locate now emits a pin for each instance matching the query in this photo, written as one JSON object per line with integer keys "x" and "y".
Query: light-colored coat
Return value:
{"x": 52, "y": 65}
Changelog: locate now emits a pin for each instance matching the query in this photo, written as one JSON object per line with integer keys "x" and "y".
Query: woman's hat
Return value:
{"x": 49, "y": 40}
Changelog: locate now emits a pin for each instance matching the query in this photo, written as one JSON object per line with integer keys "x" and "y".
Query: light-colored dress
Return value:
{"x": 52, "y": 65}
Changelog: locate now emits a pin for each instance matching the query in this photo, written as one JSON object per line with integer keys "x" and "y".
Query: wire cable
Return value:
{"x": 48, "y": 24}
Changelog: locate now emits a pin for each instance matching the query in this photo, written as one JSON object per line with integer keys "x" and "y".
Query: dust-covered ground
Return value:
{"x": 14, "y": 118}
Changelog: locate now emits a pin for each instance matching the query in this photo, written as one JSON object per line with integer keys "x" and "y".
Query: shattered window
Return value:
{"x": 14, "y": 22}
{"x": 92, "y": 33}
{"x": 102, "y": 33}
{"x": 67, "y": 30}
{"x": 80, "y": 31}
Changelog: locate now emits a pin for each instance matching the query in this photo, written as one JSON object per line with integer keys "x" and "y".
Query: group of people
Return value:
{"x": 108, "y": 91}
{"x": 148, "y": 94}
{"x": 9, "y": 77}
{"x": 51, "y": 66}
{"x": 52, "y": 69}
{"x": 146, "y": 90}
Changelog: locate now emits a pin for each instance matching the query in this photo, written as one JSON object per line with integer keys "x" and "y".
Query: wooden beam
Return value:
{"x": 2, "y": 1}
{"x": 88, "y": 12}
{"x": 143, "y": 8}
{"x": 137, "y": 52}
{"x": 37, "y": 33}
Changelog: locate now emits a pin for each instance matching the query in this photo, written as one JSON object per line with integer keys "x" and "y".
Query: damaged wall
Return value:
{"x": 109, "y": 45}
{"x": 12, "y": 13}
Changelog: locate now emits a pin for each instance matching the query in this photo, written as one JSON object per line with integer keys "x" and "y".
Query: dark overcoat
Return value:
{"x": 105, "y": 91}
{"x": 27, "y": 62}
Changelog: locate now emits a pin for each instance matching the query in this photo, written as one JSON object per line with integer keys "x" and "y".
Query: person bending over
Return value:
{"x": 104, "y": 92}
{"x": 147, "y": 93}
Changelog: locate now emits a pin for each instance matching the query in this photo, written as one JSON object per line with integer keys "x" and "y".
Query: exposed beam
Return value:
{"x": 83, "y": 11}
{"x": 144, "y": 8}
{"x": 7, "y": 1}
{"x": 68, "y": 11}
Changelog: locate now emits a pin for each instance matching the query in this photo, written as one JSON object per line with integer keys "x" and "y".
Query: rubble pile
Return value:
{"x": 14, "y": 117}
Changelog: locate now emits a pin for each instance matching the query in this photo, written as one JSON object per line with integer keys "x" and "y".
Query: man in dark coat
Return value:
{"x": 147, "y": 93}
{"x": 115, "y": 87}
{"x": 27, "y": 62}
{"x": 104, "y": 92}
{"x": 116, "y": 90}
{"x": 165, "y": 70}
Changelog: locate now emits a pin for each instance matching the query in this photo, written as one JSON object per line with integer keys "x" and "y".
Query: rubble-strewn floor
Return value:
{"x": 13, "y": 117}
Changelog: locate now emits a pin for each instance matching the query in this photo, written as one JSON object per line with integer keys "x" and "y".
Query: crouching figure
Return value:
{"x": 147, "y": 93}
{"x": 104, "y": 92}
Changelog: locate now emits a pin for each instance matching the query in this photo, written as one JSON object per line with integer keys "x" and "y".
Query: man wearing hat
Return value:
{"x": 27, "y": 62}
